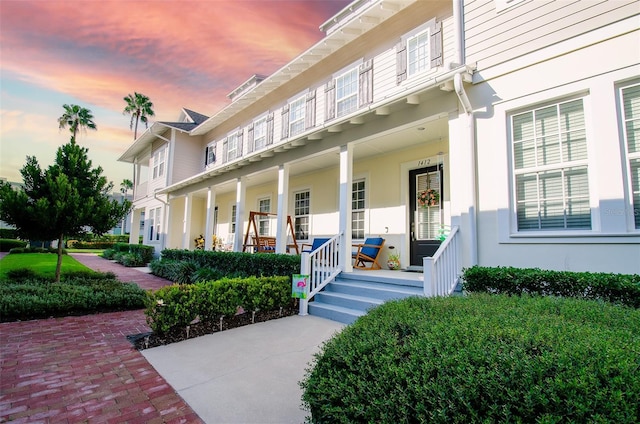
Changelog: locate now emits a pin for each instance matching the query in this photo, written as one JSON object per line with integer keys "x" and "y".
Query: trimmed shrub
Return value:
{"x": 8, "y": 233}
{"x": 80, "y": 293}
{"x": 89, "y": 244}
{"x": 7, "y": 244}
{"x": 174, "y": 307}
{"x": 53, "y": 250}
{"x": 21, "y": 274}
{"x": 233, "y": 263}
{"x": 614, "y": 288}
{"x": 480, "y": 358}
{"x": 132, "y": 255}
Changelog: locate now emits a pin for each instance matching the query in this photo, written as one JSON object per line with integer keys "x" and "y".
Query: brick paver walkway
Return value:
{"x": 83, "y": 369}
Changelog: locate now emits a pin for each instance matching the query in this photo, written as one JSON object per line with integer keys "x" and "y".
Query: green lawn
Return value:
{"x": 42, "y": 263}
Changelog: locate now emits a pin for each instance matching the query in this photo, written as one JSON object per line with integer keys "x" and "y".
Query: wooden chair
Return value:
{"x": 317, "y": 242}
{"x": 368, "y": 252}
{"x": 265, "y": 244}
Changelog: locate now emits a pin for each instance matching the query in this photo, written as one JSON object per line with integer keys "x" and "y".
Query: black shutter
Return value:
{"x": 365, "y": 89}
{"x": 401, "y": 61}
{"x": 269, "y": 129}
{"x": 330, "y": 100}
{"x": 436, "y": 44}
{"x": 285, "y": 122}
{"x": 206, "y": 156}
{"x": 310, "y": 112}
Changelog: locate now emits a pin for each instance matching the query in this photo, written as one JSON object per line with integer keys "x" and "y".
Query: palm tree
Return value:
{"x": 125, "y": 186}
{"x": 76, "y": 117}
{"x": 140, "y": 108}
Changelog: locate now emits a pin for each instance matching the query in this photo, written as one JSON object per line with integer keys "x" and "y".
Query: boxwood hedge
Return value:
{"x": 480, "y": 358}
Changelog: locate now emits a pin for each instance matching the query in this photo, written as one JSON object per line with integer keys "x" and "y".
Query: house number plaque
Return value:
{"x": 424, "y": 162}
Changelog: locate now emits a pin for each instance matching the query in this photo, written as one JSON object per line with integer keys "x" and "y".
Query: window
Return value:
{"x": 549, "y": 147}
{"x": 631, "y": 125}
{"x": 232, "y": 147}
{"x": 301, "y": 213}
{"x": 296, "y": 116}
{"x": 347, "y": 92}
{"x": 357, "y": 210}
{"x": 264, "y": 205}
{"x": 154, "y": 224}
{"x": 260, "y": 133}
{"x": 233, "y": 219}
{"x": 158, "y": 163}
{"x": 418, "y": 53}
{"x": 210, "y": 155}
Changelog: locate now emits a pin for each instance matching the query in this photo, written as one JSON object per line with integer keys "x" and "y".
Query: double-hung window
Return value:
{"x": 154, "y": 224}
{"x": 264, "y": 206}
{"x": 301, "y": 214}
{"x": 347, "y": 92}
{"x": 418, "y": 59}
{"x": 210, "y": 154}
{"x": 260, "y": 133}
{"x": 549, "y": 146}
{"x": 158, "y": 163}
{"x": 296, "y": 116}
{"x": 232, "y": 225}
{"x": 631, "y": 127}
{"x": 232, "y": 147}
{"x": 357, "y": 209}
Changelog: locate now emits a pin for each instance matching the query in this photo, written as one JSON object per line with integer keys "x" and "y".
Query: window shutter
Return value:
{"x": 206, "y": 156}
{"x": 330, "y": 100}
{"x": 225, "y": 151}
{"x": 436, "y": 45}
{"x": 240, "y": 143}
{"x": 310, "y": 113}
{"x": 401, "y": 61}
{"x": 250, "y": 142}
{"x": 366, "y": 83}
{"x": 270, "y": 129}
{"x": 285, "y": 122}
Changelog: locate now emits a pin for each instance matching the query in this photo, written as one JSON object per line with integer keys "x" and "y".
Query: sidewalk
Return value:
{"x": 83, "y": 369}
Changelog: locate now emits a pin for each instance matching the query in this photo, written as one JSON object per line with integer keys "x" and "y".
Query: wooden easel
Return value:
{"x": 266, "y": 244}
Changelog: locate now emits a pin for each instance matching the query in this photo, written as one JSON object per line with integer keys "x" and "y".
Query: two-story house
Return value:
{"x": 522, "y": 116}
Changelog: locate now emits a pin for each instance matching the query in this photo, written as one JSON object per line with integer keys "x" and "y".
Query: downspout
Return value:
{"x": 471, "y": 119}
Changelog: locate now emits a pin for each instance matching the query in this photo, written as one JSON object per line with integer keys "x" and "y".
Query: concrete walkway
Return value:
{"x": 83, "y": 369}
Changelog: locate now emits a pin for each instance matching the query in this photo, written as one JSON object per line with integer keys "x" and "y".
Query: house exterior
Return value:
{"x": 522, "y": 116}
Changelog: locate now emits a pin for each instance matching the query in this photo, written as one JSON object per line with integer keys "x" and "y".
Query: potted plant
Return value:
{"x": 393, "y": 261}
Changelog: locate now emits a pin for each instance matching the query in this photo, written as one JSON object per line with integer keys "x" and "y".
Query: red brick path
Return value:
{"x": 83, "y": 369}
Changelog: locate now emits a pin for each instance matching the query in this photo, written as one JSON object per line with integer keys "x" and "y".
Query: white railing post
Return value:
{"x": 429, "y": 273}
{"x": 305, "y": 269}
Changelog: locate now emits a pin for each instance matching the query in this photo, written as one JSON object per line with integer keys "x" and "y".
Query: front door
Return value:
{"x": 425, "y": 194}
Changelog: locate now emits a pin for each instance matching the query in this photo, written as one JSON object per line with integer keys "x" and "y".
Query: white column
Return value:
{"x": 211, "y": 209}
{"x": 241, "y": 194}
{"x": 166, "y": 226}
{"x": 346, "y": 179}
{"x": 283, "y": 208}
{"x": 186, "y": 223}
{"x": 134, "y": 233}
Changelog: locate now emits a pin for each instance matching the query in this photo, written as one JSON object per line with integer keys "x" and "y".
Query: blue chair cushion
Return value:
{"x": 317, "y": 242}
{"x": 370, "y": 251}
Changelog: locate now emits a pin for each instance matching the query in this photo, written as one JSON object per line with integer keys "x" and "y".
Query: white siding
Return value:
{"x": 188, "y": 157}
{"x": 492, "y": 38}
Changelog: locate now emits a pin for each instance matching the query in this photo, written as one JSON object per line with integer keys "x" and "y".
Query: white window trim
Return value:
{"x": 265, "y": 219}
{"x": 211, "y": 152}
{"x": 232, "y": 136}
{"x": 364, "y": 178}
{"x": 293, "y": 209}
{"x": 410, "y": 74}
{"x": 302, "y": 101}
{"x": 355, "y": 94}
{"x": 259, "y": 122}
{"x": 158, "y": 165}
{"x": 628, "y": 157}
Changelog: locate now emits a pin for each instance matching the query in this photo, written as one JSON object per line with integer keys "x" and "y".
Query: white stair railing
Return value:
{"x": 442, "y": 270}
{"x": 322, "y": 266}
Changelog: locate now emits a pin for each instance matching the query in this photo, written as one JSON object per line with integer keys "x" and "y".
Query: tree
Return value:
{"x": 140, "y": 108}
{"x": 75, "y": 118}
{"x": 66, "y": 199}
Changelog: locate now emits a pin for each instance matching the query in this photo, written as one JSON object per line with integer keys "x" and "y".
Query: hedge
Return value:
{"x": 480, "y": 358}
{"x": 75, "y": 244}
{"x": 80, "y": 293}
{"x": 132, "y": 255}
{"x": 615, "y": 288}
{"x": 7, "y": 244}
{"x": 183, "y": 266}
{"x": 174, "y": 307}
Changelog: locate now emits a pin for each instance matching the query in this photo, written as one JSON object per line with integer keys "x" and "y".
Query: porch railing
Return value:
{"x": 322, "y": 266}
{"x": 442, "y": 270}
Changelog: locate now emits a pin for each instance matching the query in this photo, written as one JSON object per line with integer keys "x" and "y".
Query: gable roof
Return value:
{"x": 196, "y": 117}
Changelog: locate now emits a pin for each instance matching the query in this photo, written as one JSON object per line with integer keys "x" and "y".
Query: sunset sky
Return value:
{"x": 93, "y": 53}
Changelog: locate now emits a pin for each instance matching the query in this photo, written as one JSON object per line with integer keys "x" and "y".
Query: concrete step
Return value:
{"x": 394, "y": 278}
{"x": 382, "y": 291}
{"x": 334, "y": 312}
{"x": 360, "y": 303}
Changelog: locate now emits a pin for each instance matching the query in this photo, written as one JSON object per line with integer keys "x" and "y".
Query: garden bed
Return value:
{"x": 148, "y": 340}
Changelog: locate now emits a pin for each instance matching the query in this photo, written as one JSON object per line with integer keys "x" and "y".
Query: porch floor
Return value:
{"x": 391, "y": 275}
